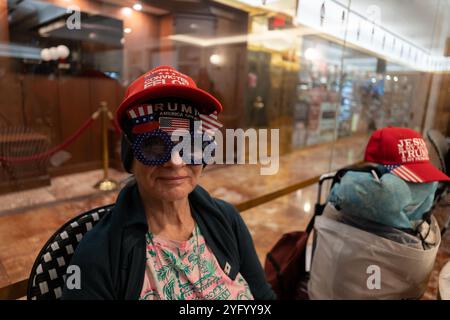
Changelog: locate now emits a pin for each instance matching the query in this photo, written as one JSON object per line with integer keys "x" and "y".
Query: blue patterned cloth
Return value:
{"x": 389, "y": 201}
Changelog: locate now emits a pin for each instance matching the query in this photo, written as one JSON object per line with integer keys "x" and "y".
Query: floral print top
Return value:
{"x": 187, "y": 270}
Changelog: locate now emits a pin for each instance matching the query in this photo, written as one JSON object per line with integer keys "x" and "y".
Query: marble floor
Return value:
{"x": 29, "y": 218}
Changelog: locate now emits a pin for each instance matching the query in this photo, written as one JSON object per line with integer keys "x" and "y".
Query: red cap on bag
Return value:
{"x": 404, "y": 153}
{"x": 165, "y": 82}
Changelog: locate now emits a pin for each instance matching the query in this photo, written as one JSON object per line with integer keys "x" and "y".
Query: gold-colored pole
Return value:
{"x": 105, "y": 184}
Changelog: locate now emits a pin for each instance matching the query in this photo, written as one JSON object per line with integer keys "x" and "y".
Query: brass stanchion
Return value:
{"x": 105, "y": 184}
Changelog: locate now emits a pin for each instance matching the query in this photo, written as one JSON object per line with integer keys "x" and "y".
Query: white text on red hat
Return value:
{"x": 162, "y": 77}
{"x": 413, "y": 150}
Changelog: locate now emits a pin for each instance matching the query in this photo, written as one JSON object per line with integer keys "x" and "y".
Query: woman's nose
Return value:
{"x": 175, "y": 160}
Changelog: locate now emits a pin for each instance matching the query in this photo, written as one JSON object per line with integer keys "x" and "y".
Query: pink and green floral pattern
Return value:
{"x": 187, "y": 270}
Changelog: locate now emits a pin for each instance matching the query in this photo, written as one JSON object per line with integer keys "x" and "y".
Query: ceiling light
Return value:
{"x": 127, "y": 11}
{"x": 137, "y": 6}
{"x": 51, "y": 27}
{"x": 216, "y": 59}
{"x": 127, "y": 30}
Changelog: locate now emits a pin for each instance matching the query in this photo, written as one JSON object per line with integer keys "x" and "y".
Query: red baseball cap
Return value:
{"x": 165, "y": 82}
{"x": 404, "y": 153}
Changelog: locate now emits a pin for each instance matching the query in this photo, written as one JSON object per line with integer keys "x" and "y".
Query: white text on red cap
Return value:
{"x": 413, "y": 150}
{"x": 162, "y": 77}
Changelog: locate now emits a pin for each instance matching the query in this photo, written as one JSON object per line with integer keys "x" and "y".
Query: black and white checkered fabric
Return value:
{"x": 48, "y": 274}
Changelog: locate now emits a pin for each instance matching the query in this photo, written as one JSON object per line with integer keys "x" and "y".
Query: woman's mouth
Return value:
{"x": 173, "y": 178}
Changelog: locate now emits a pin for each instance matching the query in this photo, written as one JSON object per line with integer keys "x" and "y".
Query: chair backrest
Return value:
{"x": 48, "y": 274}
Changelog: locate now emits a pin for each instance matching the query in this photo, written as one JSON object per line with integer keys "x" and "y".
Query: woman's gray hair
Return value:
{"x": 126, "y": 154}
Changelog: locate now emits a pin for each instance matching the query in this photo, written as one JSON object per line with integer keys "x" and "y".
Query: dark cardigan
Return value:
{"x": 112, "y": 259}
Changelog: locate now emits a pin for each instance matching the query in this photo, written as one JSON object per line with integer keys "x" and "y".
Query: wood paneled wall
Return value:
{"x": 56, "y": 108}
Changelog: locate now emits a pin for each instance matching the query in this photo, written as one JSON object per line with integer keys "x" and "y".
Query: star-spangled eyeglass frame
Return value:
{"x": 154, "y": 148}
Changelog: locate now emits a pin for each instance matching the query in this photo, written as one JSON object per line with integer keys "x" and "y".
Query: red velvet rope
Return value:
{"x": 116, "y": 127}
{"x": 53, "y": 150}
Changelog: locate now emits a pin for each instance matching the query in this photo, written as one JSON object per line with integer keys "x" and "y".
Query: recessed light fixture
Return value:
{"x": 127, "y": 30}
{"x": 137, "y": 6}
{"x": 216, "y": 59}
{"x": 127, "y": 11}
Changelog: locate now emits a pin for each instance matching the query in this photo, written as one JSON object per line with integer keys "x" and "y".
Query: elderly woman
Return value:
{"x": 166, "y": 237}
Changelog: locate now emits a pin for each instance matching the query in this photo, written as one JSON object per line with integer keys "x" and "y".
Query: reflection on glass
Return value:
{"x": 320, "y": 71}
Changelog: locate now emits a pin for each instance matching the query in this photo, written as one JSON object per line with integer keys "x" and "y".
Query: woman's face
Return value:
{"x": 173, "y": 180}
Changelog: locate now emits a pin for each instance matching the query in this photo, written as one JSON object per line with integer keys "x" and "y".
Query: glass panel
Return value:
{"x": 316, "y": 70}
{"x": 319, "y": 75}
{"x": 254, "y": 59}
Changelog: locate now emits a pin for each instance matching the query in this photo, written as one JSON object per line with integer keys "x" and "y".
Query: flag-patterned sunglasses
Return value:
{"x": 155, "y": 148}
